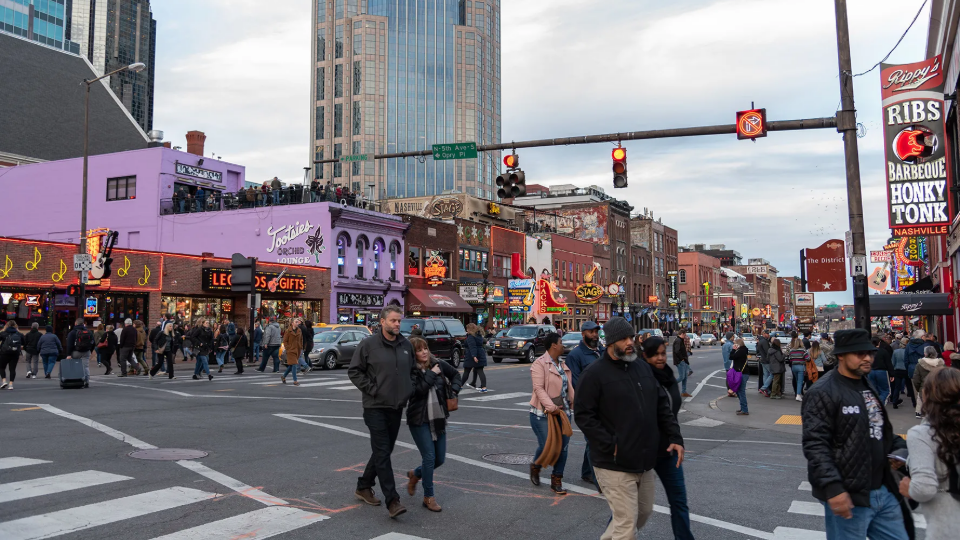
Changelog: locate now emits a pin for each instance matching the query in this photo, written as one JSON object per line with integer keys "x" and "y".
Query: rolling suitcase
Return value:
{"x": 71, "y": 373}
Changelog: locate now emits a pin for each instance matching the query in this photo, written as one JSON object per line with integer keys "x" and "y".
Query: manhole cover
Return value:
{"x": 510, "y": 459}
{"x": 168, "y": 454}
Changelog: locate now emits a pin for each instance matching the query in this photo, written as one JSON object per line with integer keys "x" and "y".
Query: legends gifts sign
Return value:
{"x": 918, "y": 176}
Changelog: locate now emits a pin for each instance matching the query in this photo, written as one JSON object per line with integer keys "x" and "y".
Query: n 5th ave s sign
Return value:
{"x": 466, "y": 150}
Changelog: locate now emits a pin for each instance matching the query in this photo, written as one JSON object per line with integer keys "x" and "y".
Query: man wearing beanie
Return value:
{"x": 623, "y": 424}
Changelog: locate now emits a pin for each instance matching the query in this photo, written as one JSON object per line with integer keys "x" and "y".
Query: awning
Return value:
{"x": 910, "y": 304}
{"x": 442, "y": 301}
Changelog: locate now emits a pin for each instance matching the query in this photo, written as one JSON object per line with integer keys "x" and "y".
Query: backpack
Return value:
{"x": 84, "y": 340}
{"x": 13, "y": 343}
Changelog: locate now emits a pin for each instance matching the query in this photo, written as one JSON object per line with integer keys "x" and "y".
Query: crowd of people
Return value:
{"x": 272, "y": 193}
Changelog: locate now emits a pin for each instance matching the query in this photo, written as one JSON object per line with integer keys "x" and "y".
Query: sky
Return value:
{"x": 241, "y": 73}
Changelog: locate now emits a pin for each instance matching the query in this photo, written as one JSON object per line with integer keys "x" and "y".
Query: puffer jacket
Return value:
{"x": 271, "y": 336}
{"x": 31, "y": 342}
{"x": 383, "y": 371}
{"x": 835, "y": 440}
{"x": 914, "y": 354}
{"x": 49, "y": 344}
{"x": 476, "y": 350}
{"x": 775, "y": 360}
{"x": 426, "y": 381}
{"x": 924, "y": 368}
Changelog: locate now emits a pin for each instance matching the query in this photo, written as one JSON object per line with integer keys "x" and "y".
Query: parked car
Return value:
{"x": 322, "y": 327}
{"x": 695, "y": 341}
{"x": 446, "y": 337}
{"x": 708, "y": 339}
{"x": 653, "y": 332}
{"x": 523, "y": 341}
{"x": 334, "y": 348}
{"x": 570, "y": 340}
{"x": 488, "y": 344}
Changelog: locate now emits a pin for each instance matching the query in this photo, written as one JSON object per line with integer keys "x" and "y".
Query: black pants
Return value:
{"x": 105, "y": 356}
{"x": 12, "y": 359}
{"x": 238, "y": 360}
{"x": 168, "y": 359}
{"x": 477, "y": 371}
{"x": 901, "y": 382}
{"x": 384, "y": 425}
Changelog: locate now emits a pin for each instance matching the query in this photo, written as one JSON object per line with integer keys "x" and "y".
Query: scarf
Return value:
{"x": 436, "y": 417}
{"x": 664, "y": 376}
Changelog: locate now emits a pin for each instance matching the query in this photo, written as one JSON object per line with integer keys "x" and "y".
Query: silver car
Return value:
{"x": 570, "y": 340}
{"x": 694, "y": 340}
{"x": 708, "y": 339}
{"x": 334, "y": 348}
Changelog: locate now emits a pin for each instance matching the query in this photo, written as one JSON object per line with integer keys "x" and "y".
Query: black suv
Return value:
{"x": 523, "y": 341}
{"x": 446, "y": 337}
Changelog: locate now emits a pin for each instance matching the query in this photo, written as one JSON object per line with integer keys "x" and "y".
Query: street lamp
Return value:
{"x": 486, "y": 297}
{"x": 136, "y": 68}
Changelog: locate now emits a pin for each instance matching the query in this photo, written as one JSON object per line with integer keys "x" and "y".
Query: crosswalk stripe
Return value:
{"x": 789, "y": 533}
{"x": 703, "y": 422}
{"x": 94, "y": 515}
{"x": 816, "y": 509}
{"x": 805, "y": 486}
{"x": 350, "y": 387}
{"x": 497, "y": 397}
{"x": 263, "y": 523}
{"x": 15, "y": 491}
{"x": 14, "y": 462}
{"x": 322, "y": 383}
{"x": 398, "y": 536}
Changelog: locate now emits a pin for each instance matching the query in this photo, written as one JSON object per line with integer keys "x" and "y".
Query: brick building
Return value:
{"x": 431, "y": 270}
{"x": 702, "y": 303}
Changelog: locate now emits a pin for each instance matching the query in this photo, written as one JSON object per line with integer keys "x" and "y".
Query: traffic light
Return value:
{"x": 821, "y": 309}
{"x": 751, "y": 124}
{"x": 513, "y": 182}
{"x": 73, "y": 290}
{"x": 518, "y": 184}
{"x": 511, "y": 161}
{"x": 619, "y": 167}
{"x": 243, "y": 271}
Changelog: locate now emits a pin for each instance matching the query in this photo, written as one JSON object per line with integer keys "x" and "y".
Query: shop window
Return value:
{"x": 413, "y": 262}
{"x": 120, "y": 189}
{"x": 341, "y": 258}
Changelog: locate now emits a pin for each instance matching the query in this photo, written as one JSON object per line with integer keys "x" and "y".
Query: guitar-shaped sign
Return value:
{"x": 272, "y": 284}
{"x": 878, "y": 279}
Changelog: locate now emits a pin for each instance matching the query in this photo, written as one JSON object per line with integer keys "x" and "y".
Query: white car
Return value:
{"x": 694, "y": 340}
{"x": 708, "y": 339}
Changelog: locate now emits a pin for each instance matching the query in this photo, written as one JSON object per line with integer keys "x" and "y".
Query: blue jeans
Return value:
{"x": 683, "y": 369}
{"x": 726, "y": 364}
{"x": 201, "y": 365}
{"x": 49, "y": 361}
{"x": 293, "y": 368}
{"x": 882, "y": 521}
{"x": 99, "y": 357}
{"x": 302, "y": 361}
{"x": 767, "y": 377}
{"x": 220, "y": 355}
{"x": 586, "y": 470}
{"x": 881, "y": 381}
{"x": 671, "y": 477}
{"x": 799, "y": 372}
{"x": 256, "y": 351}
{"x": 274, "y": 351}
{"x": 540, "y": 429}
{"x": 742, "y": 392}
{"x": 433, "y": 452}
{"x": 276, "y": 197}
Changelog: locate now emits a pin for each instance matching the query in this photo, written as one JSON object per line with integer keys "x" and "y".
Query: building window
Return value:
{"x": 338, "y": 80}
{"x": 338, "y": 120}
{"x": 119, "y": 189}
{"x": 320, "y": 121}
{"x": 318, "y": 167}
{"x": 321, "y": 44}
{"x": 357, "y": 42}
{"x": 357, "y": 77}
{"x": 341, "y": 257}
{"x": 360, "y": 247}
{"x": 377, "y": 248}
{"x": 357, "y": 124}
{"x": 393, "y": 262}
{"x": 472, "y": 260}
{"x": 321, "y": 83}
{"x": 683, "y": 276}
{"x": 413, "y": 262}
{"x": 338, "y": 42}
{"x": 337, "y": 167}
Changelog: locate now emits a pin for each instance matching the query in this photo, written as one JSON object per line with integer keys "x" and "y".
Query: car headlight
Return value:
{"x": 521, "y": 344}
{"x": 496, "y": 343}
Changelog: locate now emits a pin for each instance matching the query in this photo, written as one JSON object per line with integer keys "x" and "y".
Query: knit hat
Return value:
{"x": 616, "y": 329}
{"x": 49, "y": 329}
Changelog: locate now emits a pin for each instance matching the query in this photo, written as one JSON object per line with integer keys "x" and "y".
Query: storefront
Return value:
{"x": 424, "y": 303}
{"x": 360, "y": 308}
{"x": 481, "y": 312}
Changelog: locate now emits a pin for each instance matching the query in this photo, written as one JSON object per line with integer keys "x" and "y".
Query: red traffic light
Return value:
{"x": 752, "y": 124}
{"x": 619, "y": 154}
{"x": 511, "y": 161}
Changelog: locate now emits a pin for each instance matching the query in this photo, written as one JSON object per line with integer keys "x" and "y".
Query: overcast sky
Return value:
{"x": 241, "y": 73}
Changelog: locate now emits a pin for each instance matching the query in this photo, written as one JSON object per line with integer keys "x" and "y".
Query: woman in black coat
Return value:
{"x": 739, "y": 358}
{"x": 108, "y": 344}
{"x": 475, "y": 358}
{"x": 238, "y": 349}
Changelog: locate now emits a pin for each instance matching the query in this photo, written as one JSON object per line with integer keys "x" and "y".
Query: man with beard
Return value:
{"x": 382, "y": 368}
{"x": 623, "y": 411}
{"x": 584, "y": 354}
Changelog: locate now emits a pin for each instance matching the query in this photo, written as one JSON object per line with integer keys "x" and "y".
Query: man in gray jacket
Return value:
{"x": 271, "y": 345}
{"x": 382, "y": 368}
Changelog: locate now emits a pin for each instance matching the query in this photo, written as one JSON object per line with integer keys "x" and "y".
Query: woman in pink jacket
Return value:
{"x": 552, "y": 394}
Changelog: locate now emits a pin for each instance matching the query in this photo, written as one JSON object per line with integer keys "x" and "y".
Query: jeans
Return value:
{"x": 881, "y": 381}
{"x": 384, "y": 426}
{"x": 799, "y": 372}
{"x": 33, "y": 363}
{"x": 99, "y": 359}
{"x": 433, "y": 452}
{"x": 882, "y": 521}
{"x": 84, "y": 357}
{"x": 742, "y": 392}
{"x": 187, "y": 353}
{"x": 683, "y": 369}
{"x": 302, "y": 361}
{"x": 294, "y": 369}
{"x": 671, "y": 477}
{"x": 256, "y": 351}
{"x": 220, "y": 354}
{"x": 49, "y": 361}
{"x": 274, "y": 351}
{"x": 540, "y": 429}
{"x": 767, "y": 377}
{"x": 276, "y": 197}
{"x": 901, "y": 383}
{"x": 201, "y": 365}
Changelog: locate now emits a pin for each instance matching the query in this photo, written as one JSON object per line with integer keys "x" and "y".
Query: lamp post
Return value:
{"x": 486, "y": 298}
{"x": 136, "y": 68}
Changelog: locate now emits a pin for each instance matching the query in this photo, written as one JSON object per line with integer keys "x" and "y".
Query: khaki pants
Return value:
{"x": 630, "y": 497}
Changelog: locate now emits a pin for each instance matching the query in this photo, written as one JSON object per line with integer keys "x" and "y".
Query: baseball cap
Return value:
{"x": 589, "y": 325}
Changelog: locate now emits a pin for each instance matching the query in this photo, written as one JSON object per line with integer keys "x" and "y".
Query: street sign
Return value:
{"x": 465, "y": 150}
{"x": 804, "y": 299}
{"x": 356, "y": 157}
{"x": 82, "y": 262}
{"x": 858, "y": 265}
{"x": 752, "y": 124}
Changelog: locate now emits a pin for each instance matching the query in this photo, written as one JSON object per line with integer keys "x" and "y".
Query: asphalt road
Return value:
{"x": 282, "y": 462}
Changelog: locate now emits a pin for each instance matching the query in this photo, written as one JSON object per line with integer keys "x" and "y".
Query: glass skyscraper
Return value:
{"x": 43, "y": 21}
{"x": 402, "y": 75}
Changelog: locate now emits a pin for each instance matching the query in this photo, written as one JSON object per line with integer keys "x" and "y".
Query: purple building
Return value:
{"x": 170, "y": 201}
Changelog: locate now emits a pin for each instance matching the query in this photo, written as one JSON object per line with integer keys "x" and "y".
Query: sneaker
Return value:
{"x": 4, "y": 385}
{"x": 10, "y": 387}
{"x": 196, "y": 378}
{"x": 367, "y": 496}
{"x": 209, "y": 377}
{"x": 799, "y": 398}
{"x": 48, "y": 376}
{"x": 484, "y": 390}
{"x": 283, "y": 380}
{"x": 29, "y": 374}
{"x": 919, "y": 416}
{"x": 468, "y": 385}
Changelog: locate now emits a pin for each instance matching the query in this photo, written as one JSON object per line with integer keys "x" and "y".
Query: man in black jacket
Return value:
{"x": 681, "y": 359}
{"x": 382, "y": 368}
{"x": 766, "y": 378}
{"x": 306, "y": 330}
{"x": 623, "y": 411}
{"x": 846, "y": 440}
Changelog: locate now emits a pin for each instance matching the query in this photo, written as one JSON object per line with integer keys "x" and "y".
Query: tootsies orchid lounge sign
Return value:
{"x": 918, "y": 177}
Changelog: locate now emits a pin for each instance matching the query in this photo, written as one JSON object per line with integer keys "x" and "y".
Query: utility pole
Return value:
{"x": 847, "y": 125}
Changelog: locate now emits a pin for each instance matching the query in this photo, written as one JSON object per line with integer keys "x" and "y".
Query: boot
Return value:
{"x": 535, "y": 474}
{"x": 430, "y": 503}
{"x": 556, "y": 484}
{"x": 412, "y": 482}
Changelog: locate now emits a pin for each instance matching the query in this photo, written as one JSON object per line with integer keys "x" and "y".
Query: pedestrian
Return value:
{"x": 777, "y": 367}
{"x": 306, "y": 334}
{"x": 881, "y": 370}
{"x": 165, "y": 350}
{"x": 847, "y": 439}
{"x": 50, "y": 349}
{"x": 933, "y": 341}
{"x": 108, "y": 344}
{"x": 738, "y": 359}
{"x": 911, "y": 358}
{"x": 257, "y": 340}
{"x": 475, "y": 359}
{"x": 80, "y": 345}
{"x": 275, "y": 187}
{"x": 766, "y": 378}
{"x": 141, "y": 347}
{"x": 893, "y": 340}
{"x": 11, "y": 348}
{"x": 222, "y": 341}
{"x": 382, "y": 368}
{"x": 189, "y": 347}
{"x": 271, "y": 345}
{"x": 551, "y": 403}
{"x": 624, "y": 413}
{"x": 434, "y": 383}
{"x": 826, "y": 345}
{"x": 128, "y": 342}
{"x": 934, "y": 460}
{"x": 585, "y": 353}
{"x": 798, "y": 357}
{"x": 725, "y": 350}
{"x": 205, "y": 346}
{"x": 238, "y": 349}
{"x": 950, "y": 354}
{"x": 681, "y": 359}
{"x": 667, "y": 468}
{"x": 931, "y": 360}
{"x": 31, "y": 352}
{"x": 99, "y": 330}
{"x": 901, "y": 380}
{"x": 292, "y": 348}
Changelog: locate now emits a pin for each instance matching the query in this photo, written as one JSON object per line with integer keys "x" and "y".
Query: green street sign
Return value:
{"x": 465, "y": 150}
{"x": 356, "y": 157}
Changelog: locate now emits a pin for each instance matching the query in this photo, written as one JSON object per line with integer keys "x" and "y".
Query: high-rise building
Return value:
{"x": 43, "y": 21}
{"x": 402, "y": 75}
{"x": 116, "y": 33}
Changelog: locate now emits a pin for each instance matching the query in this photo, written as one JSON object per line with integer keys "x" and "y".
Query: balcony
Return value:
{"x": 218, "y": 201}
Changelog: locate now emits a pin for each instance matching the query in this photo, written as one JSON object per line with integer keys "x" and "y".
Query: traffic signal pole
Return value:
{"x": 847, "y": 125}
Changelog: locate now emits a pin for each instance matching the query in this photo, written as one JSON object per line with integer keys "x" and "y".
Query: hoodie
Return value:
{"x": 914, "y": 354}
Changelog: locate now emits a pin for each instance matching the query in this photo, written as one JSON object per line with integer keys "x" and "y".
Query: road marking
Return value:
{"x": 701, "y": 385}
{"x": 805, "y": 486}
{"x": 790, "y": 420}
{"x": 741, "y": 441}
{"x": 81, "y": 518}
{"x": 703, "y": 422}
{"x": 323, "y": 383}
{"x": 226, "y": 390}
{"x": 789, "y": 533}
{"x": 816, "y": 509}
{"x": 523, "y": 403}
{"x": 526, "y": 476}
{"x": 498, "y": 397}
{"x": 122, "y": 437}
{"x": 14, "y": 462}
{"x": 26, "y": 409}
{"x": 716, "y": 386}
{"x": 398, "y": 536}
{"x": 15, "y": 491}
{"x": 262, "y": 523}
{"x": 232, "y": 483}
{"x": 348, "y": 387}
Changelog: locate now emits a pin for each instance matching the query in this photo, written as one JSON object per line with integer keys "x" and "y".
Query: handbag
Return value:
{"x": 452, "y": 402}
